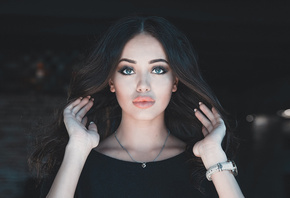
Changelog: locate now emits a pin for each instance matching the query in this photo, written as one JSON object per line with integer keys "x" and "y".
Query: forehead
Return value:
{"x": 143, "y": 46}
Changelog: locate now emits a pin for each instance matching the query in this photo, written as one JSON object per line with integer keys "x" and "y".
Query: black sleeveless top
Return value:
{"x": 107, "y": 177}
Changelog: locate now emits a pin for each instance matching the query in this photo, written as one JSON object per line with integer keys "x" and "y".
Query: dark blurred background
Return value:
{"x": 243, "y": 50}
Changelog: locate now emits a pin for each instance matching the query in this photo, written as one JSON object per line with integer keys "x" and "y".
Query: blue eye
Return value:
{"x": 126, "y": 71}
{"x": 159, "y": 70}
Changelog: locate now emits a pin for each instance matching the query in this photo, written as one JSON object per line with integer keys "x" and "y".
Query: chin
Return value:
{"x": 146, "y": 116}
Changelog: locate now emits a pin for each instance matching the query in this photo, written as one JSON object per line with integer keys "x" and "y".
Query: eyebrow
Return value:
{"x": 158, "y": 60}
{"x": 150, "y": 62}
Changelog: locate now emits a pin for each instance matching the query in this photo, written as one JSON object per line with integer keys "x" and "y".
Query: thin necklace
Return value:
{"x": 143, "y": 164}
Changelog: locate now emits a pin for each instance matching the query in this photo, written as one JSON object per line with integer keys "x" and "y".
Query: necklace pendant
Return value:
{"x": 143, "y": 165}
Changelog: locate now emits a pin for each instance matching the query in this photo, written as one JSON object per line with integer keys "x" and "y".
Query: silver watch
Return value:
{"x": 224, "y": 166}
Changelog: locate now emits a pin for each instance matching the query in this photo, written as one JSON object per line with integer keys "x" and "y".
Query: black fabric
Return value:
{"x": 106, "y": 177}
{"x": 103, "y": 176}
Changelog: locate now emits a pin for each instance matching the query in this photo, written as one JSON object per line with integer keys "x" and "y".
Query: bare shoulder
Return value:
{"x": 108, "y": 146}
{"x": 175, "y": 146}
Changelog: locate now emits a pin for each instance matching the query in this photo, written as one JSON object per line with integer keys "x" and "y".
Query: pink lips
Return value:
{"x": 143, "y": 102}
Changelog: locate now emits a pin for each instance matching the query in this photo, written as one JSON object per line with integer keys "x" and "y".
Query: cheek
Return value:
{"x": 165, "y": 84}
{"x": 164, "y": 90}
{"x": 123, "y": 92}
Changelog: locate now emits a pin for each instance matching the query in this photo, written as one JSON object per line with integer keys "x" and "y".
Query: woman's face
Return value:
{"x": 143, "y": 81}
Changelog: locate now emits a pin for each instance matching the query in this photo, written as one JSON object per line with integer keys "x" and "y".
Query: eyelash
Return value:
{"x": 123, "y": 69}
{"x": 126, "y": 68}
{"x": 159, "y": 67}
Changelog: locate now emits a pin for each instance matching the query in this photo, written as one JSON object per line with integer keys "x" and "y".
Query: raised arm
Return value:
{"x": 81, "y": 142}
{"x": 211, "y": 152}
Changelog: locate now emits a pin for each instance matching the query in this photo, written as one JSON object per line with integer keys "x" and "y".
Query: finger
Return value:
{"x": 71, "y": 105}
{"x": 204, "y": 121}
{"x": 93, "y": 127}
{"x": 68, "y": 110}
{"x": 204, "y": 131}
{"x": 82, "y": 112}
{"x": 218, "y": 117}
{"x": 216, "y": 113}
{"x": 209, "y": 114}
{"x": 80, "y": 105}
{"x": 85, "y": 120}
{"x": 221, "y": 125}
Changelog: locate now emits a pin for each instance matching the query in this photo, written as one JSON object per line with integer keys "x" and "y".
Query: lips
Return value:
{"x": 143, "y": 102}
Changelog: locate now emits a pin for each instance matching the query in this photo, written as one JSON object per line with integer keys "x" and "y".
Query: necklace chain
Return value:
{"x": 143, "y": 163}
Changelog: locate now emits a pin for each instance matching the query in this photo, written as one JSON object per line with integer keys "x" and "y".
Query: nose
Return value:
{"x": 143, "y": 84}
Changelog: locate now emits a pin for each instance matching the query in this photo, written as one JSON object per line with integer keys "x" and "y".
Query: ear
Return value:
{"x": 111, "y": 84}
{"x": 174, "y": 88}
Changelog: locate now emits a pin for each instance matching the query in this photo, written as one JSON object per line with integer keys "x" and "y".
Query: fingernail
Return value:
{"x": 195, "y": 110}
{"x": 200, "y": 103}
{"x": 92, "y": 99}
{"x": 91, "y": 122}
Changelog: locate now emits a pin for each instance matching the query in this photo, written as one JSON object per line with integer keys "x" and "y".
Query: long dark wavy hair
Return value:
{"x": 92, "y": 79}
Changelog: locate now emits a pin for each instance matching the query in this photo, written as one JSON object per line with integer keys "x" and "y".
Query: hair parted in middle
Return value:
{"x": 92, "y": 79}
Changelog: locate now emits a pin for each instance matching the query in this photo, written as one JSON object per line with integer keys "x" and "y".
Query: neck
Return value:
{"x": 142, "y": 135}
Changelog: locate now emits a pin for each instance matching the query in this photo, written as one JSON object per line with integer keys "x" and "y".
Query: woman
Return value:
{"x": 154, "y": 125}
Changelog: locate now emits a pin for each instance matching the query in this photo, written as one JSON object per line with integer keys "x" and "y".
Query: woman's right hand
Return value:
{"x": 75, "y": 123}
{"x": 81, "y": 142}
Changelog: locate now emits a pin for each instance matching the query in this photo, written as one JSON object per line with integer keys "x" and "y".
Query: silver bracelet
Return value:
{"x": 223, "y": 166}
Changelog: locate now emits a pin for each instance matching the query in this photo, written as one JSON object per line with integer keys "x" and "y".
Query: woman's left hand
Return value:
{"x": 210, "y": 151}
{"x": 213, "y": 130}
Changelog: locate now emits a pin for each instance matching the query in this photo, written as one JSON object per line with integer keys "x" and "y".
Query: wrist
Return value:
{"x": 76, "y": 149}
{"x": 80, "y": 143}
{"x": 213, "y": 155}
